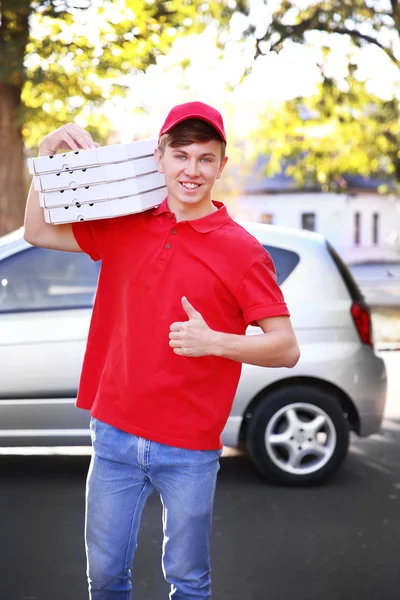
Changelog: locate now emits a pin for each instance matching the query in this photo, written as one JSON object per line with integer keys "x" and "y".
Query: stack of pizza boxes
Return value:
{"x": 96, "y": 184}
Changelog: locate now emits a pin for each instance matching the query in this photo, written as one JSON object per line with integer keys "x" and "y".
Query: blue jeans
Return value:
{"x": 123, "y": 472}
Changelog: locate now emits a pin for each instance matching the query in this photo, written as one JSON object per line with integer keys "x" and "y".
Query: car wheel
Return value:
{"x": 298, "y": 436}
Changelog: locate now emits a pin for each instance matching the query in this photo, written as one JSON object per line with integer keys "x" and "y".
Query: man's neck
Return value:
{"x": 190, "y": 213}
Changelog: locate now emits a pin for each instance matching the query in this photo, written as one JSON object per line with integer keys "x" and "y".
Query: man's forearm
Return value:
{"x": 272, "y": 349}
{"x": 34, "y": 216}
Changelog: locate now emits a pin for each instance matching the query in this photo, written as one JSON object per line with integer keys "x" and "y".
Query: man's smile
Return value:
{"x": 189, "y": 186}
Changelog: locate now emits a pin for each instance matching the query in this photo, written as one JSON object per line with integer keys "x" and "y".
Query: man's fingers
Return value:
{"x": 175, "y": 343}
{"x": 82, "y": 135}
{"x": 69, "y": 141}
{"x": 176, "y": 326}
{"x": 69, "y": 137}
{"x": 83, "y": 142}
{"x": 188, "y": 308}
{"x": 179, "y": 351}
{"x": 175, "y": 335}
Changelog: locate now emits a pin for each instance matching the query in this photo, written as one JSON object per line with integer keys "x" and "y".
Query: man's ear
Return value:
{"x": 158, "y": 157}
{"x": 222, "y": 166}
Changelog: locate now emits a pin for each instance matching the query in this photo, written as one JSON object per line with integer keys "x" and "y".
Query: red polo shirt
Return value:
{"x": 131, "y": 377}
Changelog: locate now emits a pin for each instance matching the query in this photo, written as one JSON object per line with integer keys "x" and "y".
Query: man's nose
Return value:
{"x": 192, "y": 168}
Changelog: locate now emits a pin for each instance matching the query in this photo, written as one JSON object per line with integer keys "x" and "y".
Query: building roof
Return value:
{"x": 260, "y": 183}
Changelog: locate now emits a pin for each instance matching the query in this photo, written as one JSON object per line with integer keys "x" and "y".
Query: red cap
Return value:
{"x": 194, "y": 110}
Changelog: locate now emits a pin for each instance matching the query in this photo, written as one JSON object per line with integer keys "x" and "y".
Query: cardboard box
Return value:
{"x": 90, "y": 158}
{"x": 82, "y": 177}
{"x": 107, "y": 208}
{"x": 100, "y": 192}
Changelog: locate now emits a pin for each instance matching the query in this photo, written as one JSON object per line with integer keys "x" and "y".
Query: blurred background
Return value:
{"x": 310, "y": 94}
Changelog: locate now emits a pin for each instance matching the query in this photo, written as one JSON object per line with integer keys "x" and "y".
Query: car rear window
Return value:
{"x": 285, "y": 261}
{"x": 349, "y": 281}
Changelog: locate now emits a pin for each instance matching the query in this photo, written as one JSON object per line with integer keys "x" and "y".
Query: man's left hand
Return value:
{"x": 193, "y": 337}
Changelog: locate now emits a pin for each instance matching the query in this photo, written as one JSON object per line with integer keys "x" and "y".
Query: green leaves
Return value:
{"x": 319, "y": 139}
{"x": 343, "y": 128}
{"x": 364, "y": 22}
{"x": 58, "y": 50}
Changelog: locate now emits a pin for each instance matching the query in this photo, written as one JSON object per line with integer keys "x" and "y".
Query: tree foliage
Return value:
{"x": 343, "y": 128}
{"x": 64, "y": 58}
{"x": 69, "y": 57}
{"x": 335, "y": 132}
{"x": 374, "y": 22}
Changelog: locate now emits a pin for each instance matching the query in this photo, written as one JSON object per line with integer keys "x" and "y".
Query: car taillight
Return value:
{"x": 362, "y": 321}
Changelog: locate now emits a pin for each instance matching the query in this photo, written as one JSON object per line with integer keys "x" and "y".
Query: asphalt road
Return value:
{"x": 336, "y": 542}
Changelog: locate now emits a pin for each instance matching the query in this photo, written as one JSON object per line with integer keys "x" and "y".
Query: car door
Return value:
{"x": 46, "y": 300}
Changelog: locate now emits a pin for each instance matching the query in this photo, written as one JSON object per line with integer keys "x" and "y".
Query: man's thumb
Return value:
{"x": 188, "y": 308}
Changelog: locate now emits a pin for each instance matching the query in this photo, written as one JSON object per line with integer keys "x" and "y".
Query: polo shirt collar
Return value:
{"x": 206, "y": 224}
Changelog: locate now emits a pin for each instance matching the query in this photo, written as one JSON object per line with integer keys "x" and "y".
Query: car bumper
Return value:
{"x": 370, "y": 396}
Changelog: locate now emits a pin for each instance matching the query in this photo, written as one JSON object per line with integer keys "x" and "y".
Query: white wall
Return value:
{"x": 334, "y": 219}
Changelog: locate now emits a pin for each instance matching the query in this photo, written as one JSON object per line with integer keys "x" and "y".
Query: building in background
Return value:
{"x": 361, "y": 223}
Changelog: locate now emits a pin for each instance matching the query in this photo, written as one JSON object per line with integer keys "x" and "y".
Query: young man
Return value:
{"x": 178, "y": 286}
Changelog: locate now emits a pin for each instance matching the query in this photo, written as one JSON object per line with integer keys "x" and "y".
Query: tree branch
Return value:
{"x": 354, "y": 33}
{"x": 310, "y": 25}
{"x": 290, "y": 31}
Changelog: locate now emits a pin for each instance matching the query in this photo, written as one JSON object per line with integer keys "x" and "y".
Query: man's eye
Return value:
{"x": 206, "y": 159}
{"x": 180, "y": 156}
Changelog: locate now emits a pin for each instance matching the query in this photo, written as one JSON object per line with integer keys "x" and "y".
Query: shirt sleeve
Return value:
{"x": 259, "y": 294}
{"x": 93, "y": 237}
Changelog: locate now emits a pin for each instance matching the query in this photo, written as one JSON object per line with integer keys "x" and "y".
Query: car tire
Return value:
{"x": 298, "y": 436}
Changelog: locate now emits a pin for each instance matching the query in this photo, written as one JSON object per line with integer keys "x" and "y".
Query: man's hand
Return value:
{"x": 193, "y": 337}
{"x": 67, "y": 137}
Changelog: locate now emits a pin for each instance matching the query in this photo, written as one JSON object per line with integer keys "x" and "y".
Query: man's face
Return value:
{"x": 191, "y": 171}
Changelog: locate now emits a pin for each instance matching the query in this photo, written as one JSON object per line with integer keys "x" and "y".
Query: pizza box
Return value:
{"x": 106, "y": 209}
{"x": 82, "y": 177}
{"x": 91, "y": 158}
{"x": 100, "y": 192}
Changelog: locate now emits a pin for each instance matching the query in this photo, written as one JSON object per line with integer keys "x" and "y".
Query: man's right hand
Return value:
{"x": 67, "y": 137}
{"x": 37, "y": 231}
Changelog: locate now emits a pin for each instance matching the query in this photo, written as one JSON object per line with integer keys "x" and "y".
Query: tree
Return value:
{"x": 365, "y": 22}
{"x": 61, "y": 58}
{"x": 335, "y": 132}
{"x": 343, "y": 128}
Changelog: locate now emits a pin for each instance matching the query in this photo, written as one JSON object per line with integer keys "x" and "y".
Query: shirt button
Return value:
{"x": 169, "y": 216}
{"x": 173, "y": 231}
{"x": 168, "y": 246}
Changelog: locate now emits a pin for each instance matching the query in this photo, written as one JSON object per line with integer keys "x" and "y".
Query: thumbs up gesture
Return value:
{"x": 193, "y": 337}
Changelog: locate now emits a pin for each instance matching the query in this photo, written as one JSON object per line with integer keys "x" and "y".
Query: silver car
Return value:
{"x": 294, "y": 423}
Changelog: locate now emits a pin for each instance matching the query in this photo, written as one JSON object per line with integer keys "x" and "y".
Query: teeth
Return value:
{"x": 190, "y": 186}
